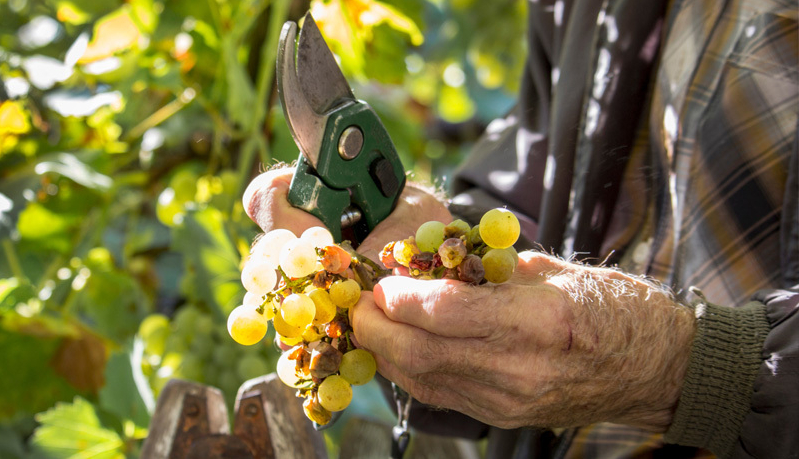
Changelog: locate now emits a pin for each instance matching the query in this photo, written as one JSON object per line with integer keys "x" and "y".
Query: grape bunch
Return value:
{"x": 304, "y": 286}
{"x": 458, "y": 251}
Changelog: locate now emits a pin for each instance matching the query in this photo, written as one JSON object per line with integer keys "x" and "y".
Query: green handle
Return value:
{"x": 372, "y": 181}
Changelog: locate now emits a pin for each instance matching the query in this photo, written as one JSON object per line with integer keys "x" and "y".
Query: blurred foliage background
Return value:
{"x": 128, "y": 131}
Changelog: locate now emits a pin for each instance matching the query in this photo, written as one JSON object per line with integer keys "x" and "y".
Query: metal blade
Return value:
{"x": 321, "y": 79}
{"x": 310, "y": 87}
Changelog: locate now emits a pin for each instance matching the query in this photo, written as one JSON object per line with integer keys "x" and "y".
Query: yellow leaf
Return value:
{"x": 113, "y": 33}
{"x": 68, "y": 13}
{"x": 13, "y": 118}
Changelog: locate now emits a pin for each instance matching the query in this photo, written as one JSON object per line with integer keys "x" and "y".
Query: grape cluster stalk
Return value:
{"x": 306, "y": 285}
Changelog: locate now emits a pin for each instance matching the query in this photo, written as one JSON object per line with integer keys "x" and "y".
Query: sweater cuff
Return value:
{"x": 724, "y": 361}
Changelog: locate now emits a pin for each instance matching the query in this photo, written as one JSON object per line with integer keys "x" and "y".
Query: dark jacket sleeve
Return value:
{"x": 740, "y": 396}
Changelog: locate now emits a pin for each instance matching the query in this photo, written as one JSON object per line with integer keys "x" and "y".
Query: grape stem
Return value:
{"x": 367, "y": 271}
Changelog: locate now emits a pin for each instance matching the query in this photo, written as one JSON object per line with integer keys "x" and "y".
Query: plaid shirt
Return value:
{"x": 663, "y": 140}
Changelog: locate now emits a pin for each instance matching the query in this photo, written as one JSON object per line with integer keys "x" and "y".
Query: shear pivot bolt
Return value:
{"x": 350, "y": 142}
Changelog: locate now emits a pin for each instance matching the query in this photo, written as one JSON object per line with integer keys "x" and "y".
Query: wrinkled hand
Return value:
{"x": 558, "y": 345}
{"x": 266, "y": 202}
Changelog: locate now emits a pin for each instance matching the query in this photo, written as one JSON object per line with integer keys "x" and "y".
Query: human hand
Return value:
{"x": 558, "y": 345}
{"x": 266, "y": 202}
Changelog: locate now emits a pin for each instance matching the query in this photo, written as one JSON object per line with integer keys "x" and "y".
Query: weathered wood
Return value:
{"x": 185, "y": 411}
{"x": 368, "y": 439}
{"x": 291, "y": 434}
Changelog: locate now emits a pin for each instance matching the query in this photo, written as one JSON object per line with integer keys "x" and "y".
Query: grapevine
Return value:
{"x": 305, "y": 286}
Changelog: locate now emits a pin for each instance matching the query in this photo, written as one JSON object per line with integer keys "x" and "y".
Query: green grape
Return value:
{"x": 154, "y": 331}
{"x": 499, "y": 228}
{"x": 251, "y": 366}
{"x": 298, "y": 310}
{"x": 246, "y": 326}
{"x": 429, "y": 236}
{"x": 498, "y": 265}
{"x": 168, "y": 210}
{"x": 335, "y": 393}
{"x": 456, "y": 228}
{"x": 357, "y": 367}
{"x": 345, "y": 294}
{"x": 191, "y": 367}
{"x": 184, "y": 183}
{"x": 202, "y": 347}
{"x": 224, "y": 355}
{"x": 515, "y": 255}
{"x": 325, "y": 309}
{"x": 298, "y": 258}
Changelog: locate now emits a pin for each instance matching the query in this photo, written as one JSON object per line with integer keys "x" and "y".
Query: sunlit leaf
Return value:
{"x": 454, "y": 104}
{"x": 71, "y": 167}
{"x": 12, "y": 292}
{"x": 13, "y": 118}
{"x": 113, "y": 33}
{"x": 51, "y": 229}
{"x": 73, "y": 430}
{"x": 70, "y": 13}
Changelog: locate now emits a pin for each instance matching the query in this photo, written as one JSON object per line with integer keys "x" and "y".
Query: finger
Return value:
{"x": 443, "y": 307}
{"x": 266, "y": 202}
{"x": 412, "y": 349}
{"x": 485, "y": 402}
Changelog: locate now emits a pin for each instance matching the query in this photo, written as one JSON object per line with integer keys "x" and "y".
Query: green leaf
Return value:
{"x": 112, "y": 302}
{"x": 44, "y": 226}
{"x": 34, "y": 385}
{"x": 12, "y": 292}
{"x": 73, "y": 430}
{"x": 126, "y": 392}
{"x": 212, "y": 259}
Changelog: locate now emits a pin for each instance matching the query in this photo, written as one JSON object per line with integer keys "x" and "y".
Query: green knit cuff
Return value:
{"x": 725, "y": 359}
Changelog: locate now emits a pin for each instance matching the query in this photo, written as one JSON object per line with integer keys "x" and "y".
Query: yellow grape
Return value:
{"x": 325, "y": 309}
{"x": 267, "y": 247}
{"x": 286, "y": 371}
{"x": 499, "y": 228}
{"x": 318, "y": 236}
{"x": 258, "y": 277}
{"x": 335, "y": 393}
{"x": 246, "y": 326}
{"x": 298, "y": 310}
{"x": 345, "y": 294}
{"x": 298, "y": 258}
{"x": 404, "y": 250}
{"x": 312, "y": 334}
{"x": 315, "y": 411}
{"x": 498, "y": 265}
{"x": 358, "y": 367}
{"x": 285, "y": 330}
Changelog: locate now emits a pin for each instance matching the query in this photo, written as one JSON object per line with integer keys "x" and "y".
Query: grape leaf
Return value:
{"x": 212, "y": 261}
{"x": 73, "y": 430}
{"x": 34, "y": 385}
{"x": 126, "y": 392}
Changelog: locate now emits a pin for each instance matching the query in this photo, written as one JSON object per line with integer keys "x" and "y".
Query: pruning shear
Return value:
{"x": 348, "y": 174}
